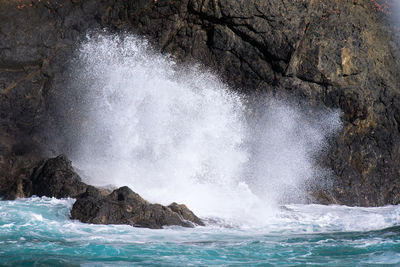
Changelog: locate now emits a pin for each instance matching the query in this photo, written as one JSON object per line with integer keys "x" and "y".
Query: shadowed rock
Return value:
{"x": 123, "y": 206}
{"x": 331, "y": 54}
{"x": 55, "y": 178}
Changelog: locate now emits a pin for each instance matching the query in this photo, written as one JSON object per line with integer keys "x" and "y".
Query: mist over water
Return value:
{"x": 175, "y": 133}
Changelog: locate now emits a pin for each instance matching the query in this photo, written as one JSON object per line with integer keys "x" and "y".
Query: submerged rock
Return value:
{"x": 123, "y": 206}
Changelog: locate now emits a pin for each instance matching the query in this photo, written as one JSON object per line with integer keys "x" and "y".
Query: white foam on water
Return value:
{"x": 37, "y": 217}
{"x": 293, "y": 219}
{"x": 334, "y": 218}
{"x": 175, "y": 133}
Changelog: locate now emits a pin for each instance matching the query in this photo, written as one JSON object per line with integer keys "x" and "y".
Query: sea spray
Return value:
{"x": 284, "y": 142}
{"x": 176, "y": 133}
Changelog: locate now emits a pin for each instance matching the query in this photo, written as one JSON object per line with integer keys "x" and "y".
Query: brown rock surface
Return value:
{"x": 56, "y": 178}
{"x": 123, "y": 206}
{"x": 332, "y": 54}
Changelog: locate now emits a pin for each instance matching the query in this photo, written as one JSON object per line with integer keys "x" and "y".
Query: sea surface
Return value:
{"x": 38, "y": 231}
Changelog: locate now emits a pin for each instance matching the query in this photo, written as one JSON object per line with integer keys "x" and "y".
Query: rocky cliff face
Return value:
{"x": 332, "y": 54}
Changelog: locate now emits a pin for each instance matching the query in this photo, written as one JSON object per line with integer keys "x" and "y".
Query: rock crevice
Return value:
{"x": 331, "y": 54}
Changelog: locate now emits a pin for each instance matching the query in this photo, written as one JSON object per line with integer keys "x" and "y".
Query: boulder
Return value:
{"x": 54, "y": 178}
{"x": 123, "y": 206}
{"x": 185, "y": 213}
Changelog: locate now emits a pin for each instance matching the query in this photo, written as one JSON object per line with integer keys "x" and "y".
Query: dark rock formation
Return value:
{"x": 51, "y": 178}
{"x": 56, "y": 178}
{"x": 185, "y": 213}
{"x": 123, "y": 206}
{"x": 331, "y": 54}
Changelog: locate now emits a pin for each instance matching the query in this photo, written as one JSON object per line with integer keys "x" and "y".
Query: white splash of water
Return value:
{"x": 179, "y": 134}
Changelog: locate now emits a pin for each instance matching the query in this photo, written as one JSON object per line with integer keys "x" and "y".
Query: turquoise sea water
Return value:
{"x": 38, "y": 231}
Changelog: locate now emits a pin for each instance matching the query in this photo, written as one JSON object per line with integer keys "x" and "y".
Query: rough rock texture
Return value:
{"x": 123, "y": 206}
{"x": 56, "y": 178}
{"x": 51, "y": 178}
{"x": 332, "y": 54}
{"x": 185, "y": 213}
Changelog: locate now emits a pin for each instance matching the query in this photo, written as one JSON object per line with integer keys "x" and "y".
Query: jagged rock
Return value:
{"x": 54, "y": 178}
{"x": 185, "y": 213}
{"x": 331, "y": 54}
{"x": 123, "y": 206}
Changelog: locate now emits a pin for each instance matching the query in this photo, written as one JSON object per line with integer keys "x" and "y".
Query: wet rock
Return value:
{"x": 331, "y": 54}
{"x": 54, "y": 178}
{"x": 185, "y": 213}
{"x": 123, "y": 206}
{"x": 19, "y": 171}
